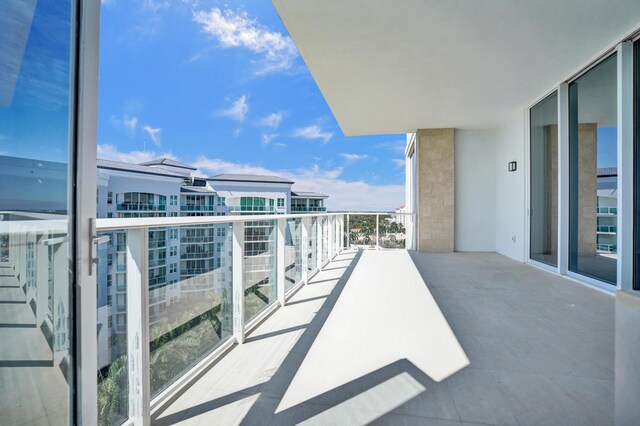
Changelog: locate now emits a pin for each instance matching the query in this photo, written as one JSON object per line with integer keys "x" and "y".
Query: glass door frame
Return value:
{"x": 528, "y": 194}
{"x": 628, "y": 138}
{"x": 83, "y": 167}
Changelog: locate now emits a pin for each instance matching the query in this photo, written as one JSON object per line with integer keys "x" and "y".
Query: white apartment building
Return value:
{"x": 184, "y": 262}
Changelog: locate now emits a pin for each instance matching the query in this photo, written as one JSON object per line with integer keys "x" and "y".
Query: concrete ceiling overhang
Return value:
{"x": 388, "y": 66}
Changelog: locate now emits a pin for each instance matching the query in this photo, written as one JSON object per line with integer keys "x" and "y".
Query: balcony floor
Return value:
{"x": 365, "y": 342}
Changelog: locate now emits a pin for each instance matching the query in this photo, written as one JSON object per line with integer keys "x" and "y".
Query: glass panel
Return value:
{"x": 325, "y": 239}
{"x": 190, "y": 307}
{"x": 292, "y": 254}
{"x": 544, "y": 181}
{"x": 362, "y": 231}
{"x": 113, "y": 379}
{"x": 593, "y": 172}
{"x": 392, "y": 231}
{"x": 312, "y": 262}
{"x": 36, "y": 274}
{"x": 259, "y": 266}
{"x": 334, "y": 235}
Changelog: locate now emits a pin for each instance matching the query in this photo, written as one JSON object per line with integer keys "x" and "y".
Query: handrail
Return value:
{"x": 163, "y": 222}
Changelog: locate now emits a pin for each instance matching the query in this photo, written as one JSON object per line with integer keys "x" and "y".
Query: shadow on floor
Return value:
{"x": 263, "y": 410}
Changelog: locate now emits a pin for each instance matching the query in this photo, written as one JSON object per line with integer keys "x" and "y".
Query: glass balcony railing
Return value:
{"x": 191, "y": 208}
{"x": 607, "y": 248}
{"x": 377, "y": 231}
{"x": 304, "y": 209}
{"x": 607, "y": 210}
{"x": 607, "y": 228}
{"x": 248, "y": 209}
{"x": 157, "y": 244}
{"x": 207, "y": 304}
{"x": 140, "y": 207}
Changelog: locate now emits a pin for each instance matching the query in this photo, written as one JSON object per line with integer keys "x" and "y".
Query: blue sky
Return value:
{"x": 221, "y": 85}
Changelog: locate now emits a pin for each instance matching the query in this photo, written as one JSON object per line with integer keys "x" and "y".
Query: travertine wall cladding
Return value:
{"x": 436, "y": 186}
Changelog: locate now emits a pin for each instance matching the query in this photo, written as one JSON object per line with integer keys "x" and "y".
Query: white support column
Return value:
{"x": 42, "y": 280}
{"x": 238, "y": 281}
{"x": 330, "y": 229}
{"x": 319, "y": 242}
{"x": 304, "y": 248}
{"x": 625, "y": 165}
{"x": 341, "y": 228}
{"x": 563, "y": 178}
{"x": 280, "y": 273}
{"x": 348, "y": 235}
{"x": 377, "y": 232}
{"x": 138, "y": 326}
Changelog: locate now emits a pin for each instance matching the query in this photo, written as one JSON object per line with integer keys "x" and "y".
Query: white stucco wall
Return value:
{"x": 510, "y": 187}
{"x": 475, "y": 190}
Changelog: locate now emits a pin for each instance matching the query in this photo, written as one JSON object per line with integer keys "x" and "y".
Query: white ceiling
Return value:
{"x": 396, "y": 66}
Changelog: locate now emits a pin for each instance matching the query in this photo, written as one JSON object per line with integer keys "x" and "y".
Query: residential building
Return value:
{"x": 400, "y": 216}
{"x": 607, "y": 217}
{"x": 305, "y": 202}
{"x": 187, "y": 262}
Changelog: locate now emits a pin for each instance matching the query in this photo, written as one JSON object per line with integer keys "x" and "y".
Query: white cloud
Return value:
{"x": 398, "y": 162}
{"x": 267, "y": 138}
{"x": 237, "y": 29}
{"x": 129, "y": 123}
{"x": 238, "y": 109}
{"x": 154, "y": 134}
{"x": 313, "y": 132}
{"x": 110, "y": 152}
{"x": 272, "y": 120}
{"x": 154, "y": 5}
{"x": 353, "y": 157}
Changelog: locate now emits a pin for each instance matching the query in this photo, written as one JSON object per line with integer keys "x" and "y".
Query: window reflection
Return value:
{"x": 593, "y": 173}
{"x": 544, "y": 181}
{"x": 36, "y": 365}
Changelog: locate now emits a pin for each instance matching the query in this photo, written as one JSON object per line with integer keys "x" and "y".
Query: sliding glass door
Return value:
{"x": 36, "y": 212}
{"x": 593, "y": 173}
{"x": 544, "y": 181}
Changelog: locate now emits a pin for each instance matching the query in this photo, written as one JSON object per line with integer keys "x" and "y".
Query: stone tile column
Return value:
{"x": 436, "y": 186}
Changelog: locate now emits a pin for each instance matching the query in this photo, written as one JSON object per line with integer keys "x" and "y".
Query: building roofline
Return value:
{"x": 250, "y": 178}
{"x": 136, "y": 168}
{"x": 164, "y": 161}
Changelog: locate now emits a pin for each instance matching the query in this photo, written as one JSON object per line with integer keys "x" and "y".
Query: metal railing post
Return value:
{"x": 319, "y": 244}
{"x": 238, "y": 281}
{"x": 341, "y": 232}
{"x": 280, "y": 272}
{"x": 138, "y": 326}
{"x": 330, "y": 232}
{"x": 377, "y": 232}
{"x": 304, "y": 248}
{"x": 348, "y": 235}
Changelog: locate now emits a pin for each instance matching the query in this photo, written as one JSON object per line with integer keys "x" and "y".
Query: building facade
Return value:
{"x": 186, "y": 263}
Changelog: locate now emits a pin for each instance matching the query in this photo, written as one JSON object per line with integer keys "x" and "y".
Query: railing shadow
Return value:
{"x": 263, "y": 410}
